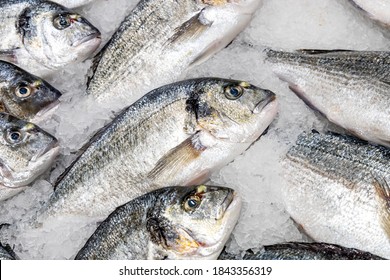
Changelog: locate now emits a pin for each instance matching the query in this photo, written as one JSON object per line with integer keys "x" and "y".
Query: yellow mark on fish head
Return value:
{"x": 37, "y": 83}
{"x": 29, "y": 126}
{"x": 245, "y": 84}
{"x": 201, "y": 189}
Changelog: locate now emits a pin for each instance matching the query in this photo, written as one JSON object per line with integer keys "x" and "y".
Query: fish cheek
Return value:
{"x": 169, "y": 237}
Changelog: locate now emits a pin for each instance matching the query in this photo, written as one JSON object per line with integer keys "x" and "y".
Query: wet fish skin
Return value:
{"x": 33, "y": 37}
{"x": 169, "y": 223}
{"x": 23, "y": 94}
{"x": 377, "y": 10}
{"x": 301, "y": 251}
{"x": 350, "y": 88}
{"x": 26, "y": 151}
{"x": 163, "y": 39}
{"x": 175, "y": 135}
{"x": 6, "y": 253}
{"x": 336, "y": 189}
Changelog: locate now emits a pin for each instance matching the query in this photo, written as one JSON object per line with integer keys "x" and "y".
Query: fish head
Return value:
{"x": 56, "y": 36}
{"x": 26, "y": 151}
{"x": 201, "y": 219}
{"x": 24, "y": 95}
{"x": 234, "y": 111}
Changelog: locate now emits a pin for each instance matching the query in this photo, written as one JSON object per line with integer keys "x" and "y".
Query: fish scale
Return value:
{"x": 301, "y": 251}
{"x": 33, "y": 38}
{"x": 337, "y": 191}
{"x": 159, "y": 41}
{"x": 160, "y": 141}
{"x": 350, "y": 88}
{"x": 163, "y": 225}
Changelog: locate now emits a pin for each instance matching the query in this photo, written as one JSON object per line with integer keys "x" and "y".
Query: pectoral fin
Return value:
{"x": 192, "y": 28}
{"x": 175, "y": 159}
{"x": 383, "y": 193}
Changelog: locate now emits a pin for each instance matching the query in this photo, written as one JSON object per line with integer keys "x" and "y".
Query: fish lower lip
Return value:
{"x": 86, "y": 39}
{"x": 262, "y": 104}
{"x": 226, "y": 203}
{"x": 48, "y": 108}
{"x": 52, "y": 145}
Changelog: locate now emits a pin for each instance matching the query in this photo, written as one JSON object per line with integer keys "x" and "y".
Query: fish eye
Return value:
{"x": 23, "y": 91}
{"x": 61, "y": 22}
{"x": 191, "y": 203}
{"x": 14, "y": 136}
{"x": 233, "y": 92}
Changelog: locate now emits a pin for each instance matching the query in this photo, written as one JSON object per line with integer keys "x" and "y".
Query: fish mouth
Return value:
{"x": 226, "y": 204}
{"x": 50, "y": 151}
{"x": 270, "y": 97}
{"x": 93, "y": 36}
{"x": 46, "y": 111}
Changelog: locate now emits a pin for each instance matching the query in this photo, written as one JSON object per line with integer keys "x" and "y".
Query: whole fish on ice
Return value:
{"x": 24, "y": 95}
{"x": 41, "y": 35}
{"x": 159, "y": 41}
{"x": 169, "y": 223}
{"x": 351, "y": 88}
{"x": 337, "y": 190}
{"x": 26, "y": 151}
{"x": 176, "y": 135}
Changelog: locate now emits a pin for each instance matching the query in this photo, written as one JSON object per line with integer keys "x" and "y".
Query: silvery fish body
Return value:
{"x": 160, "y": 40}
{"x": 378, "y": 10}
{"x": 301, "y": 251}
{"x": 169, "y": 223}
{"x": 41, "y": 35}
{"x": 26, "y": 151}
{"x": 24, "y": 95}
{"x": 72, "y": 3}
{"x": 352, "y": 89}
{"x": 6, "y": 253}
{"x": 337, "y": 190}
{"x": 175, "y": 135}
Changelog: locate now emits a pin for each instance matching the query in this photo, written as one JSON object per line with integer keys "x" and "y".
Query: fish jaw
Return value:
{"x": 212, "y": 250}
{"x": 37, "y": 165}
{"x": 6, "y": 192}
{"x": 209, "y": 246}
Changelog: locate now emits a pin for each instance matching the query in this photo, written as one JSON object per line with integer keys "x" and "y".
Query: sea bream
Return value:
{"x": 26, "y": 151}
{"x": 159, "y": 41}
{"x": 169, "y": 223}
{"x": 176, "y": 135}
{"x": 24, "y": 95}
{"x": 351, "y": 88}
{"x": 337, "y": 190}
{"x": 41, "y": 35}
{"x": 301, "y": 251}
{"x": 378, "y": 10}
